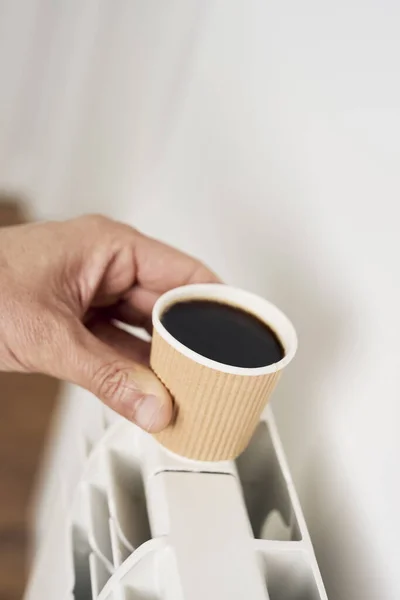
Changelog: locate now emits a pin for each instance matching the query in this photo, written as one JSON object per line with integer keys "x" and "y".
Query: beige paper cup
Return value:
{"x": 218, "y": 406}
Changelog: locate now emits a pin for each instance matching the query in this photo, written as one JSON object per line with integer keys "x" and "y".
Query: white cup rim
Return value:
{"x": 259, "y": 307}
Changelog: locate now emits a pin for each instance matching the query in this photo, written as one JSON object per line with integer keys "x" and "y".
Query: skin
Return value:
{"x": 65, "y": 286}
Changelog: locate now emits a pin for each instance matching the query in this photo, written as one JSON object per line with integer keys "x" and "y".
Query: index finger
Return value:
{"x": 161, "y": 267}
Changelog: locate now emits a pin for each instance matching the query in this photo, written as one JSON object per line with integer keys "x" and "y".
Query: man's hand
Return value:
{"x": 63, "y": 286}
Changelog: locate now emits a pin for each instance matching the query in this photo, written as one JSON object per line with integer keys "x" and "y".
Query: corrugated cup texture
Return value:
{"x": 217, "y": 412}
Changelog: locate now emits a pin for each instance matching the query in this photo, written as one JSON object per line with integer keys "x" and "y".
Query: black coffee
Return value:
{"x": 223, "y": 333}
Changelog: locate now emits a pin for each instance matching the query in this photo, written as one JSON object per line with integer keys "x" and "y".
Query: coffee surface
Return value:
{"x": 223, "y": 333}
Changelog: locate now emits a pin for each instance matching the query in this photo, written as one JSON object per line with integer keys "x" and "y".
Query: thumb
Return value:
{"x": 127, "y": 387}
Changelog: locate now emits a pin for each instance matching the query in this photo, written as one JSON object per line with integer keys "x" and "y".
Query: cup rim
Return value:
{"x": 256, "y": 305}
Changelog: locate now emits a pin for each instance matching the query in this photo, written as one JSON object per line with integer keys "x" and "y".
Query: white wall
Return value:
{"x": 264, "y": 137}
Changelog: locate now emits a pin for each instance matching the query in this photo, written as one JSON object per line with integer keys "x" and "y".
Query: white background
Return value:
{"x": 263, "y": 137}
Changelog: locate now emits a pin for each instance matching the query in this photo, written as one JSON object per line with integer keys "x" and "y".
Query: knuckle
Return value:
{"x": 112, "y": 383}
{"x": 95, "y": 220}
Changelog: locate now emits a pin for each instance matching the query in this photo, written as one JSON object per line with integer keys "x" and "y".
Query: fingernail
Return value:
{"x": 149, "y": 413}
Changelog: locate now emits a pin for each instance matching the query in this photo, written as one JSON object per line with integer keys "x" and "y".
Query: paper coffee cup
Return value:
{"x": 217, "y": 406}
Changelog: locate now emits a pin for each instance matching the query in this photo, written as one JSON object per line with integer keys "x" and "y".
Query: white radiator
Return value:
{"x": 120, "y": 518}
